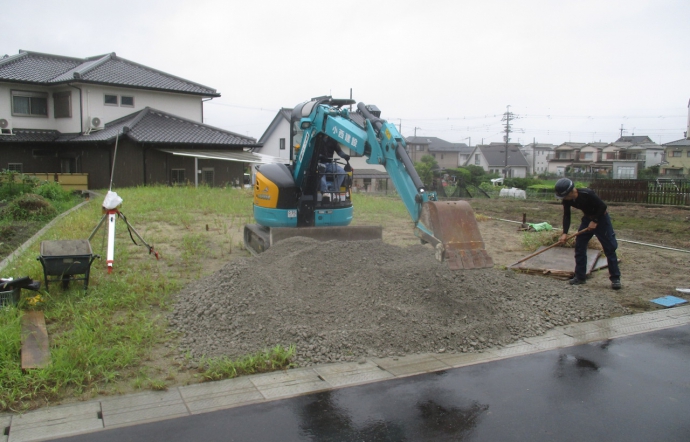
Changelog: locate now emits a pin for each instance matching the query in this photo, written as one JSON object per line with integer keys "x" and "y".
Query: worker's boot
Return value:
{"x": 616, "y": 284}
{"x": 577, "y": 281}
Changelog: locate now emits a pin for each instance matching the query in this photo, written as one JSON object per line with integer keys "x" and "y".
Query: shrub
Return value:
{"x": 13, "y": 184}
{"x": 52, "y": 191}
{"x": 29, "y": 207}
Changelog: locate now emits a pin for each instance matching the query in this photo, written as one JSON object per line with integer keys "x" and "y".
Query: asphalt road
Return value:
{"x": 634, "y": 388}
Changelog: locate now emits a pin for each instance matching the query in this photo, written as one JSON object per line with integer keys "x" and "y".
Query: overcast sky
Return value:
{"x": 569, "y": 70}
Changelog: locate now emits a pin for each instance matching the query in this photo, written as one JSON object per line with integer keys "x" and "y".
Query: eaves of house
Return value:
{"x": 149, "y": 126}
{"x": 37, "y": 68}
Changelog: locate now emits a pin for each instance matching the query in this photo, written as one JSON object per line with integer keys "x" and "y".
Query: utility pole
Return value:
{"x": 415, "y": 130}
{"x": 507, "y": 116}
{"x": 621, "y": 131}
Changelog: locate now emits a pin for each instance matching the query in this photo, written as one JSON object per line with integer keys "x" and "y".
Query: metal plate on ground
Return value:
{"x": 557, "y": 260}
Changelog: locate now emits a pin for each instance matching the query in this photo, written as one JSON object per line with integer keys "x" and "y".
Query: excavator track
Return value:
{"x": 257, "y": 239}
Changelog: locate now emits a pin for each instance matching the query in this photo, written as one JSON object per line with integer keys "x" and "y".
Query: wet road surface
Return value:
{"x": 635, "y": 388}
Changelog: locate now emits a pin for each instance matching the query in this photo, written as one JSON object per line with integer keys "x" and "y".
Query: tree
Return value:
{"x": 426, "y": 169}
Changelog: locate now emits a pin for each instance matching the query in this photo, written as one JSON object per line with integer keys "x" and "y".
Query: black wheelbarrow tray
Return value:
{"x": 65, "y": 260}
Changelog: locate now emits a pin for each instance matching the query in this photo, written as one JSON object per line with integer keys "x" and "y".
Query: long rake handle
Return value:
{"x": 549, "y": 247}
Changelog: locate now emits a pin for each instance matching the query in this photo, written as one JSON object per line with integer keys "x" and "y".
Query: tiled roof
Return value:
{"x": 437, "y": 144}
{"x": 681, "y": 142}
{"x": 495, "y": 156}
{"x": 109, "y": 69}
{"x": 30, "y": 136}
{"x": 145, "y": 126}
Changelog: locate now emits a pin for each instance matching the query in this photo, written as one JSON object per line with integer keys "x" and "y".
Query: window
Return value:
{"x": 626, "y": 172}
{"x": 588, "y": 156}
{"x": 441, "y": 156}
{"x": 689, "y": 153}
{"x": 62, "y": 104}
{"x": 282, "y": 144}
{"x": 110, "y": 100}
{"x": 177, "y": 176}
{"x": 476, "y": 159}
{"x": 29, "y": 104}
{"x": 676, "y": 154}
{"x": 15, "y": 167}
{"x": 126, "y": 101}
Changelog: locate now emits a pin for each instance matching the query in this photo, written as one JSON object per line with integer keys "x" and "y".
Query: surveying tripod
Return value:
{"x": 111, "y": 215}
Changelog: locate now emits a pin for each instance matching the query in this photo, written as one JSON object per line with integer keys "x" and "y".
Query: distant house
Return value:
{"x": 276, "y": 139}
{"x": 563, "y": 156}
{"x": 448, "y": 155}
{"x": 66, "y": 115}
{"x": 677, "y": 162}
{"x": 537, "y": 155}
{"x": 494, "y": 158}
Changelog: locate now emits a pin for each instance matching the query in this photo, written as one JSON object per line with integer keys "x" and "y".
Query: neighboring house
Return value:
{"x": 677, "y": 162}
{"x": 493, "y": 159}
{"x": 66, "y": 115}
{"x": 448, "y": 155}
{"x": 276, "y": 139}
{"x": 536, "y": 155}
{"x": 563, "y": 156}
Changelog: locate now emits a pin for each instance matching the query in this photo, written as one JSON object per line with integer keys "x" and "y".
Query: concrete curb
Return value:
{"x": 113, "y": 412}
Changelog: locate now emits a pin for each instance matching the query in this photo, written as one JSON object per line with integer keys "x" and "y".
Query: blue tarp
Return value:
{"x": 669, "y": 301}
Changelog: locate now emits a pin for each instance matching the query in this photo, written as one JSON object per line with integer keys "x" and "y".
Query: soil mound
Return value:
{"x": 342, "y": 301}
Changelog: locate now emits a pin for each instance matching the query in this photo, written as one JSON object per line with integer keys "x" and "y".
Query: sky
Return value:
{"x": 579, "y": 71}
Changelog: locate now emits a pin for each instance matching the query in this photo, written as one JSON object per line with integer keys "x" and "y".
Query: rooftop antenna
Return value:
{"x": 110, "y": 211}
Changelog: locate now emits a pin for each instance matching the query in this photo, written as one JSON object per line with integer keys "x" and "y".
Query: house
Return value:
{"x": 536, "y": 155}
{"x": 275, "y": 140}
{"x": 447, "y": 155}
{"x": 677, "y": 162}
{"x": 494, "y": 158}
{"x": 563, "y": 156}
{"x": 63, "y": 115}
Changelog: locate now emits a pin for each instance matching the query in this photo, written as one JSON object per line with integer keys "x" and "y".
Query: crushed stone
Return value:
{"x": 344, "y": 301}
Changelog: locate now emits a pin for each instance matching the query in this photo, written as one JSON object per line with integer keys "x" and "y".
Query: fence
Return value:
{"x": 667, "y": 191}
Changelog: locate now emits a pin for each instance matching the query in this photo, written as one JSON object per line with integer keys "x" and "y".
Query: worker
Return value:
{"x": 597, "y": 222}
{"x": 332, "y": 169}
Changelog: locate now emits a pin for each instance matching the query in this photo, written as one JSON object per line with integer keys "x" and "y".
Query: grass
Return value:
{"x": 106, "y": 335}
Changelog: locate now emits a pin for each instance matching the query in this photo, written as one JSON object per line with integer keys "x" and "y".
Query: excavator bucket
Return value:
{"x": 455, "y": 234}
{"x": 258, "y": 238}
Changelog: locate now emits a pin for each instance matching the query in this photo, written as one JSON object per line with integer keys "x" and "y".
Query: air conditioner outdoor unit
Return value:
{"x": 5, "y": 127}
{"x": 96, "y": 123}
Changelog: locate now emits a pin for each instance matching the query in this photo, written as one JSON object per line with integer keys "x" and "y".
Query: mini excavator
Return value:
{"x": 290, "y": 199}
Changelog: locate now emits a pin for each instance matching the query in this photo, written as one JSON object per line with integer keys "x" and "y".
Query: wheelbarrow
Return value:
{"x": 65, "y": 261}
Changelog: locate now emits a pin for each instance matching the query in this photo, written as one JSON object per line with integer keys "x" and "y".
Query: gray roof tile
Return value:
{"x": 495, "y": 156}
{"x": 145, "y": 126}
{"x": 109, "y": 69}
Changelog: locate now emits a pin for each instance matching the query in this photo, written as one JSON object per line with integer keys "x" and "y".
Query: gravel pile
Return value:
{"x": 343, "y": 301}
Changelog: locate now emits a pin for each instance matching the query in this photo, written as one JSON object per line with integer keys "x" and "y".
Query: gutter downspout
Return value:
{"x": 202, "y": 108}
{"x": 81, "y": 110}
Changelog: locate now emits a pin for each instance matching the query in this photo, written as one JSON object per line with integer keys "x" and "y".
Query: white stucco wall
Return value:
{"x": 272, "y": 144}
{"x": 93, "y": 105}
